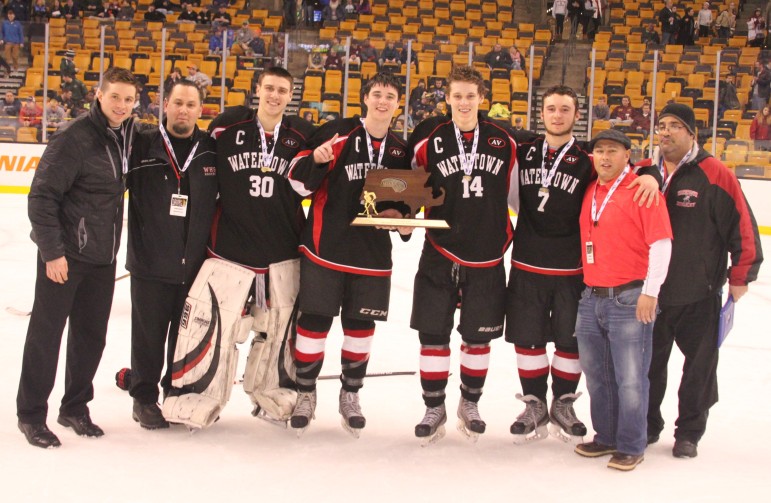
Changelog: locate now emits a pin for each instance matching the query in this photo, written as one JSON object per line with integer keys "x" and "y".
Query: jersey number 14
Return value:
{"x": 472, "y": 185}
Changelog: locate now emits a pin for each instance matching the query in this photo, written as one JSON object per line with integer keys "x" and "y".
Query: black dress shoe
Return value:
{"x": 684, "y": 449}
{"x": 39, "y": 435}
{"x": 82, "y": 425}
{"x": 149, "y": 416}
{"x": 653, "y": 438}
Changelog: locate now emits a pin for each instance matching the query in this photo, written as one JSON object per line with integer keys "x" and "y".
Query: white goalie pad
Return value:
{"x": 206, "y": 356}
{"x": 270, "y": 373}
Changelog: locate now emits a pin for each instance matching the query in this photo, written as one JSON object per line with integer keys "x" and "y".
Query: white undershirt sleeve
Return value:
{"x": 658, "y": 265}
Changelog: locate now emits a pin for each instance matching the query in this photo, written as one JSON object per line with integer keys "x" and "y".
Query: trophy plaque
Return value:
{"x": 397, "y": 185}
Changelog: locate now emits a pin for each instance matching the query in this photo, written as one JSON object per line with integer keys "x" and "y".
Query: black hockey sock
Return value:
{"x": 312, "y": 333}
{"x": 474, "y": 362}
{"x": 354, "y": 357}
{"x": 533, "y": 368}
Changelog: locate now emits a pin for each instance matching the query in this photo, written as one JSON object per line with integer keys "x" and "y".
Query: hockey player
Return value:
{"x": 546, "y": 272}
{"x": 343, "y": 265}
{"x": 173, "y": 192}
{"x": 473, "y": 160}
{"x": 257, "y": 228}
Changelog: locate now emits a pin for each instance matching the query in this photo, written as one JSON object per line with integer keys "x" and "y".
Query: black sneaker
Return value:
{"x": 653, "y": 438}
{"x": 684, "y": 449}
{"x": 149, "y": 416}
{"x": 39, "y": 435}
{"x": 82, "y": 425}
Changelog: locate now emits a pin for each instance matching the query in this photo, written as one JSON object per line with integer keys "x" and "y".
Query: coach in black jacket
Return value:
{"x": 76, "y": 209}
{"x": 172, "y": 196}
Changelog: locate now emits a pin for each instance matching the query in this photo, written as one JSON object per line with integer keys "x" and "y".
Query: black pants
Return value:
{"x": 694, "y": 328}
{"x": 155, "y": 311}
{"x": 86, "y": 299}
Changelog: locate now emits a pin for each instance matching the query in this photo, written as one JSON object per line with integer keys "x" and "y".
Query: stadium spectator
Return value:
{"x": 704, "y": 20}
{"x": 517, "y": 58}
{"x": 243, "y": 36}
{"x": 67, "y": 65}
{"x": 165, "y": 6}
{"x": 40, "y": 11}
{"x": 642, "y": 121}
{"x": 154, "y": 15}
{"x": 417, "y": 93}
{"x": 601, "y": 111}
{"x": 78, "y": 88}
{"x": 623, "y": 114}
{"x": 257, "y": 45}
{"x": 56, "y": 115}
{"x": 334, "y": 60}
{"x": 364, "y": 7}
{"x": 687, "y": 28}
{"x": 10, "y": 105}
{"x": 350, "y": 9}
{"x": 366, "y": 52}
{"x": 389, "y": 56}
{"x": 727, "y": 97}
{"x": 756, "y": 27}
{"x": 126, "y": 12}
{"x": 725, "y": 22}
{"x": 13, "y": 38}
{"x": 200, "y": 79}
{"x": 333, "y": 12}
{"x": 70, "y": 10}
{"x": 221, "y": 31}
{"x": 498, "y": 58}
{"x": 650, "y": 35}
{"x": 174, "y": 75}
{"x": 761, "y": 90}
{"x": 760, "y": 129}
{"x": 30, "y": 115}
{"x": 668, "y": 19}
{"x": 316, "y": 60}
{"x": 188, "y": 15}
{"x": 222, "y": 17}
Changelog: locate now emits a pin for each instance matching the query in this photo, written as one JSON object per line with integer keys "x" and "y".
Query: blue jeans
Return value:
{"x": 615, "y": 355}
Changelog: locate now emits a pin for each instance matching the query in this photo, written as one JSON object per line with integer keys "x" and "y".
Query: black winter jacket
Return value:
{"x": 75, "y": 203}
{"x": 711, "y": 220}
{"x": 163, "y": 247}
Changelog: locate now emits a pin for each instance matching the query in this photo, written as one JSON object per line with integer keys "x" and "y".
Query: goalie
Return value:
{"x": 257, "y": 230}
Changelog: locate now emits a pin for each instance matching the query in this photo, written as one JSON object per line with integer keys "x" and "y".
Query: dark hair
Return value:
{"x": 276, "y": 71}
{"x": 118, "y": 75}
{"x": 384, "y": 79}
{"x": 465, "y": 73}
{"x": 183, "y": 83}
{"x": 562, "y": 91}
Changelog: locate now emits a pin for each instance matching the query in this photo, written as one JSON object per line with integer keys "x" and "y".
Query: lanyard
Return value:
{"x": 663, "y": 171}
{"x": 173, "y": 158}
{"x": 267, "y": 157}
{"x": 371, "y": 150}
{"x": 467, "y": 160}
{"x": 546, "y": 178}
{"x": 595, "y": 215}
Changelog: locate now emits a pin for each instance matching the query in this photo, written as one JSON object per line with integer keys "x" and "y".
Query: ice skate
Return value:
{"x": 351, "y": 417}
{"x": 260, "y": 413}
{"x": 469, "y": 421}
{"x": 531, "y": 424}
{"x": 431, "y": 427}
{"x": 564, "y": 423}
{"x": 303, "y": 411}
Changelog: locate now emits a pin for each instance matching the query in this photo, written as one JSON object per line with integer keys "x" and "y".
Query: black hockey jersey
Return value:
{"x": 260, "y": 217}
{"x": 547, "y": 239}
{"x": 475, "y": 206}
{"x": 329, "y": 239}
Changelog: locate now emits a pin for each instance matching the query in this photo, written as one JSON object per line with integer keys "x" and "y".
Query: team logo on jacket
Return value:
{"x": 395, "y": 152}
{"x": 686, "y": 198}
{"x": 290, "y": 142}
{"x": 570, "y": 159}
{"x": 209, "y": 170}
{"x": 496, "y": 142}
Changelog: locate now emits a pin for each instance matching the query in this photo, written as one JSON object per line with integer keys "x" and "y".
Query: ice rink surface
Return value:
{"x": 242, "y": 459}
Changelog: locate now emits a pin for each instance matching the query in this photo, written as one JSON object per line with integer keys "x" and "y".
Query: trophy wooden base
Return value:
{"x": 400, "y": 222}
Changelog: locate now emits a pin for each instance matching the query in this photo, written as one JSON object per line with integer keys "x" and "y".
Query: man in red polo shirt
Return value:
{"x": 626, "y": 251}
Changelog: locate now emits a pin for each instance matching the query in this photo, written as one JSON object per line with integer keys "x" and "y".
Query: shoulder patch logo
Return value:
{"x": 570, "y": 159}
{"x": 209, "y": 170}
{"x": 687, "y": 198}
{"x": 496, "y": 142}
{"x": 290, "y": 142}
{"x": 396, "y": 152}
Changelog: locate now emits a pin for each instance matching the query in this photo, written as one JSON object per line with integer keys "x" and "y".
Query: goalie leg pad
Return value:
{"x": 270, "y": 372}
{"x": 206, "y": 357}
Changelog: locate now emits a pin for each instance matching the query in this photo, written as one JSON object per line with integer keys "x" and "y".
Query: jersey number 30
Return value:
{"x": 472, "y": 185}
{"x": 262, "y": 186}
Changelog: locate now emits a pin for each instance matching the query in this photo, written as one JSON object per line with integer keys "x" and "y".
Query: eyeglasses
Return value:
{"x": 672, "y": 128}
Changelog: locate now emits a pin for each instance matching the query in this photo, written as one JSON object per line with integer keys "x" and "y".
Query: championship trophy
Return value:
{"x": 397, "y": 185}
